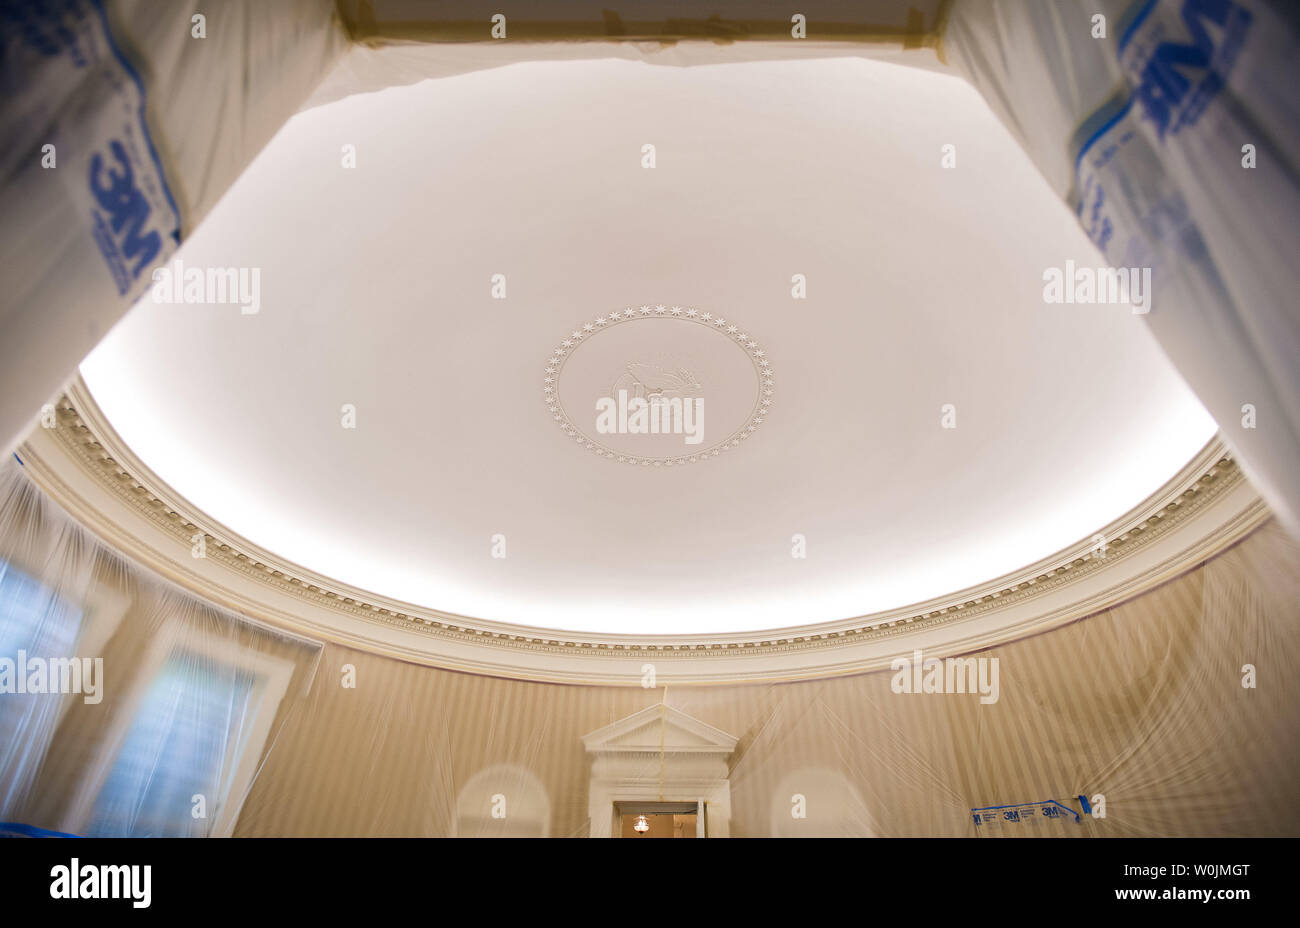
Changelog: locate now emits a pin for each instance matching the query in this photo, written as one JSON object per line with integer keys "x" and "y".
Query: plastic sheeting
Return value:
{"x": 150, "y": 124}
{"x": 1178, "y": 709}
{"x": 126, "y": 706}
{"x": 1174, "y": 714}
{"x": 1175, "y": 137}
{"x": 1141, "y": 130}
{"x": 1141, "y": 708}
{"x": 122, "y": 129}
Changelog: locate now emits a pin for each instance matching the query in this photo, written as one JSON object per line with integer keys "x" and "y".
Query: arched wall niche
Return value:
{"x": 502, "y": 801}
{"x": 819, "y": 802}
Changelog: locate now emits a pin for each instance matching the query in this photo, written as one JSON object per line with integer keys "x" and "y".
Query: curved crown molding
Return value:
{"x": 86, "y": 468}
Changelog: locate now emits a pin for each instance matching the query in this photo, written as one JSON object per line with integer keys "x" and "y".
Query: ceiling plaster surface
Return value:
{"x": 924, "y": 288}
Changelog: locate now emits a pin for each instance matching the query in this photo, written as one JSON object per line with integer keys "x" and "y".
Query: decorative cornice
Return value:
{"x": 84, "y": 436}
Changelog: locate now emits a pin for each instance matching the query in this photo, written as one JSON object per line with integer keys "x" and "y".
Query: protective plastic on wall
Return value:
{"x": 1171, "y": 127}
{"x": 1168, "y": 125}
{"x": 1172, "y": 714}
{"x": 126, "y": 706}
{"x": 124, "y": 123}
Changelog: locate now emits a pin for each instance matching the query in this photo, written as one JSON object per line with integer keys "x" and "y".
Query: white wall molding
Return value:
{"x": 659, "y": 754}
{"x": 88, "y": 470}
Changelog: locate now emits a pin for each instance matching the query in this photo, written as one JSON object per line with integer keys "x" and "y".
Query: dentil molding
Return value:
{"x": 84, "y": 466}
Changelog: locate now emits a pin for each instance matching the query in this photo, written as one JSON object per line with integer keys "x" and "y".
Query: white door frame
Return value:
{"x": 658, "y": 755}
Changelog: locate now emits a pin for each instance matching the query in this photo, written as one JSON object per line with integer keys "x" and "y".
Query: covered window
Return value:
{"x": 182, "y": 753}
{"x": 186, "y": 733}
{"x": 34, "y": 623}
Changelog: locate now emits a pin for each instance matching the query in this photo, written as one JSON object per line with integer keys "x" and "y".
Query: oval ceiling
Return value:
{"x": 378, "y": 292}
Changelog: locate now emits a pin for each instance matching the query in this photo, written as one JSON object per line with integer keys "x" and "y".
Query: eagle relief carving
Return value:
{"x": 655, "y": 383}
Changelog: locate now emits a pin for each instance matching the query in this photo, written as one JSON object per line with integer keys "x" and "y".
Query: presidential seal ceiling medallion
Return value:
{"x": 659, "y": 385}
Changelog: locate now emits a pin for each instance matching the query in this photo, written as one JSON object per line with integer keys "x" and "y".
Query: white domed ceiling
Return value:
{"x": 477, "y": 428}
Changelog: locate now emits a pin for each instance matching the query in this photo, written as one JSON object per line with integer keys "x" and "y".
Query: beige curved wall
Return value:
{"x": 1143, "y": 703}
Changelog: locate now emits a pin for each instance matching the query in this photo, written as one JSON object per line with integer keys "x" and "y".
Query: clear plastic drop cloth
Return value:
{"x": 1172, "y": 129}
{"x": 1174, "y": 713}
{"x": 124, "y": 122}
{"x": 127, "y": 707}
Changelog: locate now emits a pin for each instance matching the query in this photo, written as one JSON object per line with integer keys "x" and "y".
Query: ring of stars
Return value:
{"x": 762, "y": 368}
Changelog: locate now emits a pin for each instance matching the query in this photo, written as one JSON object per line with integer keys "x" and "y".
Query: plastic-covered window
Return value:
{"x": 185, "y": 735}
{"x": 34, "y": 623}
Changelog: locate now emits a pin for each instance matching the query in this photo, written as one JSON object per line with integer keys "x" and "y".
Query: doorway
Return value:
{"x": 660, "y": 819}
